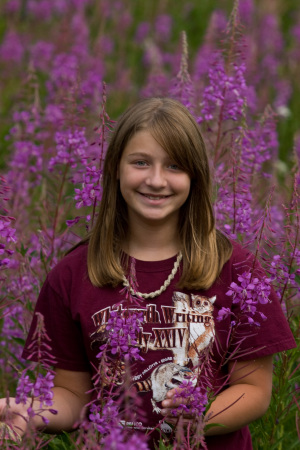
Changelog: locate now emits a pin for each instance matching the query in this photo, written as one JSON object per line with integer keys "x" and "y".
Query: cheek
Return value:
{"x": 127, "y": 182}
{"x": 186, "y": 186}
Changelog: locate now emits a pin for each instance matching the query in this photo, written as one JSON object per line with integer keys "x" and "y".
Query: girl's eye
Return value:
{"x": 140, "y": 163}
{"x": 174, "y": 167}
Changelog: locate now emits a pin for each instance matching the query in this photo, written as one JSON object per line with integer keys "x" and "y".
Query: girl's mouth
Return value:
{"x": 155, "y": 197}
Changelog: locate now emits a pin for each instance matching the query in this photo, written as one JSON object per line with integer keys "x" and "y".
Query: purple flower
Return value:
{"x": 54, "y": 114}
{"x": 45, "y": 9}
{"x": 157, "y": 85}
{"x": 163, "y": 27}
{"x": 24, "y": 389}
{"x": 91, "y": 190}
{"x": 74, "y": 221}
{"x": 283, "y": 90}
{"x": 260, "y": 144}
{"x": 12, "y": 6}
{"x": 194, "y": 399}
{"x": 27, "y": 123}
{"x": 233, "y": 207}
{"x": 41, "y": 9}
{"x": 224, "y": 313}
{"x": 39, "y": 346}
{"x": 9, "y": 332}
{"x": 64, "y": 72}
{"x": 281, "y": 273}
{"x": 6, "y": 231}
{"x": 121, "y": 439}
{"x": 71, "y": 148}
{"x": 12, "y": 47}
{"x": 122, "y": 335}
{"x": 182, "y": 87}
{"x": 104, "y": 418}
{"x": 142, "y": 31}
{"x": 226, "y": 91}
{"x": 250, "y": 292}
{"x": 27, "y": 156}
{"x": 246, "y": 10}
{"x": 42, "y": 389}
{"x": 42, "y": 54}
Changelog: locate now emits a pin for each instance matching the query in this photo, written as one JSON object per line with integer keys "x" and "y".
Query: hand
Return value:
{"x": 8, "y": 434}
{"x": 13, "y": 420}
{"x": 171, "y": 403}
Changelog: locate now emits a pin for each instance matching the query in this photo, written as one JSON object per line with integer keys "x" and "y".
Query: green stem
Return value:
{"x": 60, "y": 193}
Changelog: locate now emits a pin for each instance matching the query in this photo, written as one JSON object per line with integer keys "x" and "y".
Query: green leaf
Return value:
{"x": 19, "y": 341}
{"x": 22, "y": 250}
{"x": 211, "y": 425}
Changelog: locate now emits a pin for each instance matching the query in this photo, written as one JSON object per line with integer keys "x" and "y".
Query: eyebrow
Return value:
{"x": 139, "y": 154}
{"x": 148, "y": 155}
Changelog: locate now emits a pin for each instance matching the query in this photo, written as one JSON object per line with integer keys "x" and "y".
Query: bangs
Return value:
{"x": 181, "y": 146}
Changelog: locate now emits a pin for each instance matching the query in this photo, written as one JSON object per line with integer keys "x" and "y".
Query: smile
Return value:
{"x": 155, "y": 197}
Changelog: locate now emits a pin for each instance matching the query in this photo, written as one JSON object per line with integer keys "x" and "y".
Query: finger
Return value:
{"x": 173, "y": 391}
{"x": 184, "y": 421}
{"x": 173, "y": 402}
{"x": 7, "y": 433}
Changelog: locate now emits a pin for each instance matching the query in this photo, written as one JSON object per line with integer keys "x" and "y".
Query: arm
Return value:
{"x": 250, "y": 380}
{"x": 70, "y": 397}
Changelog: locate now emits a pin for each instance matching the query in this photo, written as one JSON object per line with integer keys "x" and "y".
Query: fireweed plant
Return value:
{"x": 238, "y": 82}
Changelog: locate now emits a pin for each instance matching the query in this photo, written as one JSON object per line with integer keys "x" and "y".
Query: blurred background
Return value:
{"x": 135, "y": 47}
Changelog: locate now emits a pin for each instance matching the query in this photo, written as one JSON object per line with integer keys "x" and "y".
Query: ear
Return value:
{"x": 179, "y": 295}
{"x": 213, "y": 299}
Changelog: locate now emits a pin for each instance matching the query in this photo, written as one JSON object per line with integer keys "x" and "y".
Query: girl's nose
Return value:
{"x": 156, "y": 177}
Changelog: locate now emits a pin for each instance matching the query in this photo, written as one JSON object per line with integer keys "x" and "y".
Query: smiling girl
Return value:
{"x": 156, "y": 210}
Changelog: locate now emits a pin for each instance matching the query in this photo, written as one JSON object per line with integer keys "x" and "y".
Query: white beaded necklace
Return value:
{"x": 162, "y": 288}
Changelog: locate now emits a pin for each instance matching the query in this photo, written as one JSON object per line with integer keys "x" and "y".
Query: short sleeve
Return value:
{"x": 270, "y": 333}
{"x": 65, "y": 334}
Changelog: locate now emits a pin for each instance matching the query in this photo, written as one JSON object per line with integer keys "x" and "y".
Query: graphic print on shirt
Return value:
{"x": 186, "y": 328}
{"x": 162, "y": 379}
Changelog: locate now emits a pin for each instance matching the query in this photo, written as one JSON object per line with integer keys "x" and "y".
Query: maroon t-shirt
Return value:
{"x": 179, "y": 327}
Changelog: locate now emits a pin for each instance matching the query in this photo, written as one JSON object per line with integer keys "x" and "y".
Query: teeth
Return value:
{"x": 154, "y": 198}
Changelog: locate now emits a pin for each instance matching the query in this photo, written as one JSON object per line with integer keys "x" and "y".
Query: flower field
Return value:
{"x": 68, "y": 69}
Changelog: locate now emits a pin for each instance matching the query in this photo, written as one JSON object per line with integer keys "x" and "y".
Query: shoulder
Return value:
{"x": 71, "y": 267}
{"x": 241, "y": 260}
{"x": 238, "y": 251}
{"x": 242, "y": 257}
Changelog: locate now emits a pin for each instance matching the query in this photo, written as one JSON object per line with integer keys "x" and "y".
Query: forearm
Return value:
{"x": 236, "y": 407}
{"x": 70, "y": 395}
{"x": 247, "y": 397}
{"x": 69, "y": 407}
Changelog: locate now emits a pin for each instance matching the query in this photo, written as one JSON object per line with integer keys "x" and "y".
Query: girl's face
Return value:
{"x": 152, "y": 185}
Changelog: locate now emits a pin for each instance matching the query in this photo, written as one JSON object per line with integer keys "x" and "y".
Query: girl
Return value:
{"x": 156, "y": 210}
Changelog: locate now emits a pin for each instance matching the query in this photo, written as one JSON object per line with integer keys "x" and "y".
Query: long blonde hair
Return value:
{"x": 204, "y": 249}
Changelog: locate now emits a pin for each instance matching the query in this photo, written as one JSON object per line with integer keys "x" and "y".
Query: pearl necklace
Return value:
{"x": 162, "y": 288}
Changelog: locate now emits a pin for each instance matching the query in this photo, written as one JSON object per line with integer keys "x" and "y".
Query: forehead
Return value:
{"x": 143, "y": 143}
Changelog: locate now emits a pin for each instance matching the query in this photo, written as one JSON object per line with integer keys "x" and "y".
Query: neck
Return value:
{"x": 149, "y": 242}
